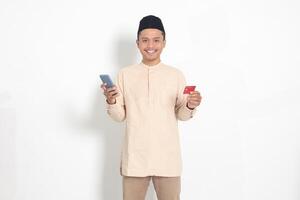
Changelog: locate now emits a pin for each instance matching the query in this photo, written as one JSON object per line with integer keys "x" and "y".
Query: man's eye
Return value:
{"x": 144, "y": 40}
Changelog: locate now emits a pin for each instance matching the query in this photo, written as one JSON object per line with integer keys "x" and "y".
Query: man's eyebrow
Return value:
{"x": 150, "y": 38}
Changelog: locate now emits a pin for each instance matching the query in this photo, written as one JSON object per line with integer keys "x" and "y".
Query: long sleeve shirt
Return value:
{"x": 151, "y": 102}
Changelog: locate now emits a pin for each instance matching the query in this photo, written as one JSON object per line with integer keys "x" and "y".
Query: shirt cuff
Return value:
{"x": 191, "y": 111}
{"x": 111, "y": 106}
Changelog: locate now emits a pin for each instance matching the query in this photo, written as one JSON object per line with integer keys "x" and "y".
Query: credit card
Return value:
{"x": 189, "y": 89}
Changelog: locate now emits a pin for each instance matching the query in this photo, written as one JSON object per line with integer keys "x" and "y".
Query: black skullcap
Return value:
{"x": 151, "y": 21}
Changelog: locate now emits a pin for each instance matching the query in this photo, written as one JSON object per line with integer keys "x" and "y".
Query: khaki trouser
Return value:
{"x": 166, "y": 188}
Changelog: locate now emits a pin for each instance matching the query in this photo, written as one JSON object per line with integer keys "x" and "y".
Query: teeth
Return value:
{"x": 150, "y": 51}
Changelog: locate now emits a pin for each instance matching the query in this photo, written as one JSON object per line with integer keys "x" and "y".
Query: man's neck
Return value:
{"x": 151, "y": 63}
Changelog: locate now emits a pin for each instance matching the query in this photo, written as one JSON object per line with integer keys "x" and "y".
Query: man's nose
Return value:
{"x": 150, "y": 44}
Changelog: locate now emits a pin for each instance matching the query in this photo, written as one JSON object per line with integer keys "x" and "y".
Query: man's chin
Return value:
{"x": 151, "y": 58}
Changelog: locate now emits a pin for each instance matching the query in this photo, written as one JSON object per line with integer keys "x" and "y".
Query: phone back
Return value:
{"x": 106, "y": 79}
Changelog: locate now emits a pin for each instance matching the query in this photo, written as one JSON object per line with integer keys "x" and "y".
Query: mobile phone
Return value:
{"x": 189, "y": 89}
{"x": 106, "y": 79}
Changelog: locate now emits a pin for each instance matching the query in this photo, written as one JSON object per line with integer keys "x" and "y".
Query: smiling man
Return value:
{"x": 149, "y": 97}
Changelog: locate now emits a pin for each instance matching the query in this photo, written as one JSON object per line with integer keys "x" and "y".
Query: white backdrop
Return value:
{"x": 57, "y": 142}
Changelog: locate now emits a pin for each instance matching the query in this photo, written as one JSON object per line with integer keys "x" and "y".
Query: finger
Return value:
{"x": 191, "y": 96}
{"x": 192, "y": 105}
{"x": 113, "y": 94}
{"x": 195, "y": 92}
{"x": 111, "y": 88}
{"x": 194, "y": 102}
{"x": 103, "y": 87}
{"x": 116, "y": 95}
{"x": 106, "y": 93}
{"x": 195, "y": 97}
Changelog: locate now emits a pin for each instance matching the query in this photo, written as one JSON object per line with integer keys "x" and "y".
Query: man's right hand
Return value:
{"x": 110, "y": 93}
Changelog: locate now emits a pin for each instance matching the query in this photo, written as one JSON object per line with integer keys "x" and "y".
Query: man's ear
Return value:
{"x": 137, "y": 42}
{"x": 165, "y": 41}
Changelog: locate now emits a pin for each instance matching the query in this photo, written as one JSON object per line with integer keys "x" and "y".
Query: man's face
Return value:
{"x": 151, "y": 44}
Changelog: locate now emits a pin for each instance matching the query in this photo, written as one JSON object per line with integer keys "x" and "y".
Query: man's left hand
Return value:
{"x": 193, "y": 99}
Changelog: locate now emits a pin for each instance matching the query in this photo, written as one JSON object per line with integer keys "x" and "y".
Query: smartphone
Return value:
{"x": 189, "y": 89}
{"x": 106, "y": 79}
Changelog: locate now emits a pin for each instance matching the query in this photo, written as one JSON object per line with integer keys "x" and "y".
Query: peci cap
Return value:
{"x": 151, "y": 21}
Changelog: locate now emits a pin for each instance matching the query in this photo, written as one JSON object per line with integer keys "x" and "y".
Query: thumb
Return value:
{"x": 103, "y": 87}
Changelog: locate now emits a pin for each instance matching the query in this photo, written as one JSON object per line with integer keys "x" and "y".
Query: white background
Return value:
{"x": 57, "y": 142}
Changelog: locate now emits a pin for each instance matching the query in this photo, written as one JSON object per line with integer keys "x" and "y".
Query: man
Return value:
{"x": 149, "y": 95}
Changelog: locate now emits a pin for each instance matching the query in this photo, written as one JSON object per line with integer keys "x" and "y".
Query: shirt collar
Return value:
{"x": 151, "y": 67}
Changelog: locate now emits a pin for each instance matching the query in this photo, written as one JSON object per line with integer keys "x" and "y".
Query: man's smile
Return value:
{"x": 151, "y": 51}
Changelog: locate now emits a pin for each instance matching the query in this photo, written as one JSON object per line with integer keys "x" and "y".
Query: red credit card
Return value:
{"x": 189, "y": 89}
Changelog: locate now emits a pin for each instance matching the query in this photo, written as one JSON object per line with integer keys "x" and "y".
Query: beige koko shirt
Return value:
{"x": 151, "y": 101}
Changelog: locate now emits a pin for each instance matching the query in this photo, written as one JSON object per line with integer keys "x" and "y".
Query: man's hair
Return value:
{"x": 151, "y": 21}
